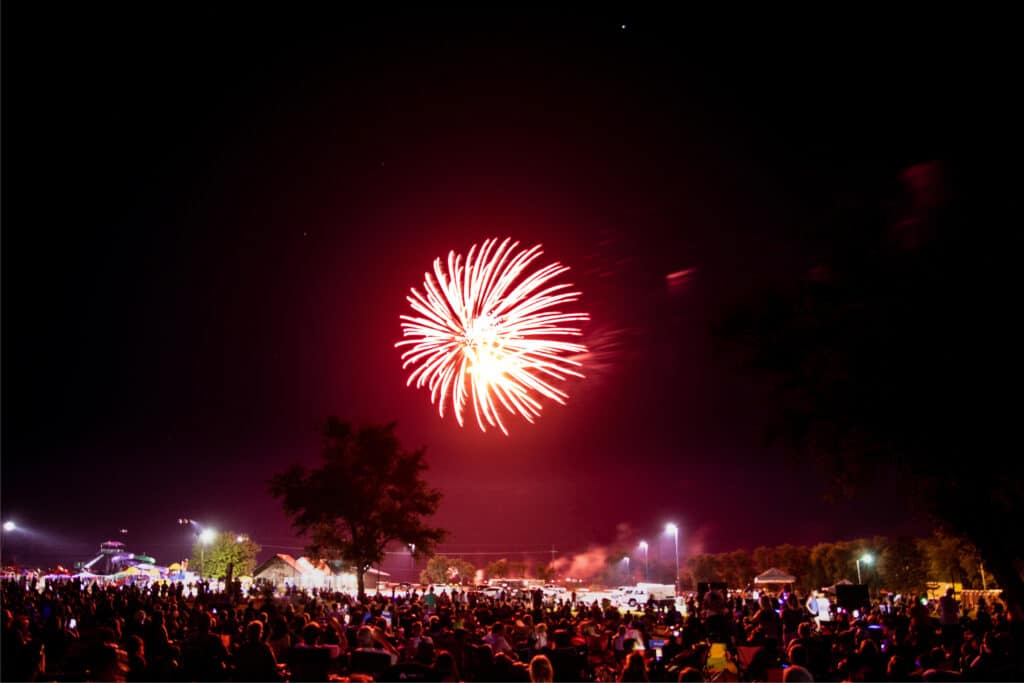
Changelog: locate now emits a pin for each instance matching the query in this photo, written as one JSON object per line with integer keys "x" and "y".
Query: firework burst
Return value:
{"x": 487, "y": 332}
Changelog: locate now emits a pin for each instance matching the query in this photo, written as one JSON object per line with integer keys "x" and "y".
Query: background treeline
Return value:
{"x": 903, "y": 565}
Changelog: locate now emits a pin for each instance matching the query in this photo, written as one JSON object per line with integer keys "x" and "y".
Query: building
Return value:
{"x": 284, "y": 571}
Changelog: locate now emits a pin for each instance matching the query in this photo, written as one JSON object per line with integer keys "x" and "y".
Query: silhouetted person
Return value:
{"x": 254, "y": 660}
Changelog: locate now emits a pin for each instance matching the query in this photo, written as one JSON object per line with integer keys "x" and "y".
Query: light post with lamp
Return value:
{"x": 9, "y": 527}
{"x": 205, "y": 537}
{"x": 671, "y": 528}
{"x": 866, "y": 558}
{"x": 643, "y": 548}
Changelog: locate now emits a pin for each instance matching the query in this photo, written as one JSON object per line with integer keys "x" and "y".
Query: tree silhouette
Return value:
{"x": 368, "y": 493}
{"x": 891, "y": 357}
{"x": 544, "y": 571}
{"x": 499, "y": 569}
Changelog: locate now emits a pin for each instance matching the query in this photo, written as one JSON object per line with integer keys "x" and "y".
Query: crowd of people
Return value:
{"x": 68, "y": 631}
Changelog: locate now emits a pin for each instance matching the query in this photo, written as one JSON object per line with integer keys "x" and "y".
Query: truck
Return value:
{"x": 641, "y": 593}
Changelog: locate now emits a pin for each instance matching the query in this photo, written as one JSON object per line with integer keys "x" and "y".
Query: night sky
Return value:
{"x": 212, "y": 216}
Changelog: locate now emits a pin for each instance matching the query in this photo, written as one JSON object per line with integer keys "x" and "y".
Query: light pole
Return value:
{"x": 412, "y": 560}
{"x": 9, "y": 526}
{"x": 643, "y": 547}
{"x": 625, "y": 561}
{"x": 866, "y": 558}
{"x": 671, "y": 528}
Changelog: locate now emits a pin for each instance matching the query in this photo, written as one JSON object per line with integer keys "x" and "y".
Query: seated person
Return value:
{"x": 373, "y": 652}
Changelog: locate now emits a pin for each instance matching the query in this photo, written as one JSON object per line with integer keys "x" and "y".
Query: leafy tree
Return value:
{"x": 738, "y": 569}
{"x": 498, "y": 569}
{"x": 764, "y": 558}
{"x": 368, "y": 493}
{"x": 703, "y": 568}
{"x": 442, "y": 569}
{"x": 228, "y": 547}
{"x": 902, "y": 566}
{"x": 517, "y": 569}
{"x": 834, "y": 562}
{"x": 890, "y": 353}
{"x": 544, "y": 571}
{"x": 795, "y": 560}
{"x": 943, "y": 553}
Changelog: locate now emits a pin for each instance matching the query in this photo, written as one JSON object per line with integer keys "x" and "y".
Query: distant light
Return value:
{"x": 240, "y": 538}
{"x": 207, "y": 536}
{"x": 124, "y": 531}
{"x": 643, "y": 545}
{"x": 867, "y": 558}
{"x": 10, "y": 526}
{"x": 671, "y": 528}
{"x": 623, "y": 27}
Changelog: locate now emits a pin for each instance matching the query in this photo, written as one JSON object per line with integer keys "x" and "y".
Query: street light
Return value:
{"x": 866, "y": 558}
{"x": 625, "y": 561}
{"x": 671, "y": 528}
{"x": 10, "y": 526}
{"x": 643, "y": 547}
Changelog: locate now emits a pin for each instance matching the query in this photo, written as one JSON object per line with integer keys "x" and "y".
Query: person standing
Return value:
{"x": 949, "y": 618}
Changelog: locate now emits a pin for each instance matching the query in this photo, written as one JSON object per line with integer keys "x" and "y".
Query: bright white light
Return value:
{"x": 240, "y": 538}
{"x": 867, "y": 558}
{"x": 643, "y": 545}
{"x": 9, "y": 526}
{"x": 671, "y": 528}
{"x": 207, "y": 536}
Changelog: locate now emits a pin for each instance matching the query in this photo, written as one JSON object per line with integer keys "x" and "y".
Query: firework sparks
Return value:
{"x": 488, "y": 332}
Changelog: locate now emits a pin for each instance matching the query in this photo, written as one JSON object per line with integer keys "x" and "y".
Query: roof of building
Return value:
{"x": 306, "y": 567}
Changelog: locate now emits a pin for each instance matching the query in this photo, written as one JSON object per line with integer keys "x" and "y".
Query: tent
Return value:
{"x": 774, "y": 575}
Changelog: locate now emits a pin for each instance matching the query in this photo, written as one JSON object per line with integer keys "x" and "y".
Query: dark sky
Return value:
{"x": 211, "y": 218}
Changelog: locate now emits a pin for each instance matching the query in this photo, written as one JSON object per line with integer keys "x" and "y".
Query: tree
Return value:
{"x": 498, "y": 569}
{"x": 703, "y": 568}
{"x": 544, "y": 571}
{"x": 738, "y": 569}
{"x": 517, "y": 569}
{"x": 368, "y": 493}
{"x": 228, "y": 547}
{"x": 441, "y": 569}
{"x": 833, "y": 562}
{"x": 949, "y": 558}
{"x": 795, "y": 560}
{"x": 888, "y": 354}
{"x": 901, "y": 566}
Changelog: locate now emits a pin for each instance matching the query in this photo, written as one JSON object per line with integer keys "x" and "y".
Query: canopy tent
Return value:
{"x": 774, "y": 575}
